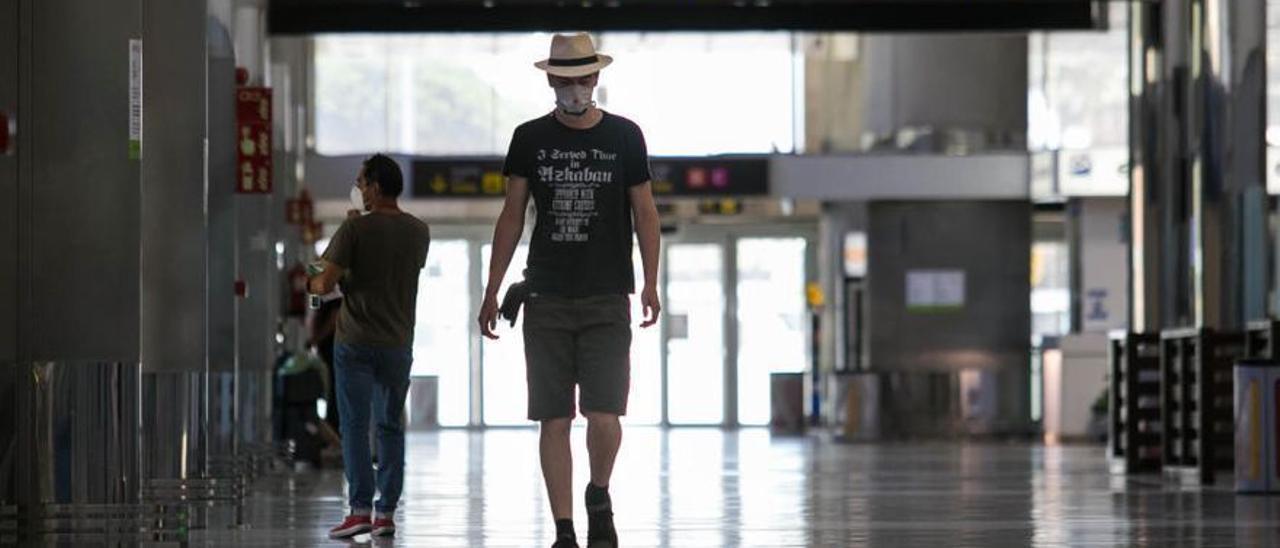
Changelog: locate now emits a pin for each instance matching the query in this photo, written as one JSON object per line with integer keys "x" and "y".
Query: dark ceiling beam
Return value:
{"x": 329, "y": 16}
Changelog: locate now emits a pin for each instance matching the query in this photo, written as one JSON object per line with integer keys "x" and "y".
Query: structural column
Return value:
{"x": 73, "y": 286}
{"x": 1198, "y": 191}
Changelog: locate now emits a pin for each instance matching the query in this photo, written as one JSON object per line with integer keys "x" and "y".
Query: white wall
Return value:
{"x": 1073, "y": 379}
{"x": 1104, "y": 264}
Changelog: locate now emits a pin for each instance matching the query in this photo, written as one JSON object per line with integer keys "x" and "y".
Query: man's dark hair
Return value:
{"x": 386, "y": 173}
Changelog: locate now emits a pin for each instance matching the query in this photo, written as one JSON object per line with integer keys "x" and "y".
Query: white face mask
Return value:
{"x": 357, "y": 199}
{"x": 574, "y": 100}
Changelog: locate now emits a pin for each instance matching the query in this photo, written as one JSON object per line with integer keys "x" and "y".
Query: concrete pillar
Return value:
{"x": 1146, "y": 88}
{"x": 224, "y": 385}
{"x": 255, "y": 257}
{"x": 185, "y": 300}
{"x": 9, "y": 235}
{"x": 75, "y": 232}
{"x": 1230, "y": 190}
{"x": 1198, "y": 196}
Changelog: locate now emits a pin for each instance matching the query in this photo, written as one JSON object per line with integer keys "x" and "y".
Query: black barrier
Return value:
{"x": 1135, "y": 433}
{"x": 1197, "y": 401}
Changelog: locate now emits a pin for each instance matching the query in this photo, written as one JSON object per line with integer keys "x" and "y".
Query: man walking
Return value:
{"x": 376, "y": 254}
{"x": 587, "y": 171}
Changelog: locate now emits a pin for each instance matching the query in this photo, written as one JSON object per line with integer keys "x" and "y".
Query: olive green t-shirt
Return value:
{"x": 382, "y": 254}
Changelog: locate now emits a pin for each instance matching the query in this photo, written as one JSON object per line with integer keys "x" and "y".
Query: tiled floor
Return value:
{"x": 705, "y": 487}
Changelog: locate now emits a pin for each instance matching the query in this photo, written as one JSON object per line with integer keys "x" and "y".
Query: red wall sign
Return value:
{"x": 253, "y": 140}
{"x": 300, "y": 211}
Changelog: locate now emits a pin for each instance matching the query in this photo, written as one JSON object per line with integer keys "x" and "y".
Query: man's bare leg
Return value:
{"x": 557, "y": 466}
{"x": 604, "y": 437}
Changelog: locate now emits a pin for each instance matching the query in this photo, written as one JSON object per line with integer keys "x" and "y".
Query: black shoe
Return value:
{"x": 600, "y": 531}
{"x": 566, "y": 543}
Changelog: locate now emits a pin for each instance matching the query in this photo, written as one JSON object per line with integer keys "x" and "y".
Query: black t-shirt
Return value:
{"x": 579, "y": 180}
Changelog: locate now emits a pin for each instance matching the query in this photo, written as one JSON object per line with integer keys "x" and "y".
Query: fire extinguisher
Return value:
{"x": 297, "y": 305}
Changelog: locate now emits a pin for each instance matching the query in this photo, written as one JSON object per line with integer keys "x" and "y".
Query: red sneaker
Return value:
{"x": 384, "y": 527}
{"x": 350, "y": 527}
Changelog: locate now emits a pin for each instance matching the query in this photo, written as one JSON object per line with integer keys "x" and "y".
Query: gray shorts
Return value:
{"x": 572, "y": 341}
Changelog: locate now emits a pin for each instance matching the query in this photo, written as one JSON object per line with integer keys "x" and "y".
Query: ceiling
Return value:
{"x": 287, "y": 17}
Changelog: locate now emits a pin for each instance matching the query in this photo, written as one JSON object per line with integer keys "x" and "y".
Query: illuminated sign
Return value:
{"x": 711, "y": 176}
{"x": 481, "y": 178}
{"x": 694, "y": 177}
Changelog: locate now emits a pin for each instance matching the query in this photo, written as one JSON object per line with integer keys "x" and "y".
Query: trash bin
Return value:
{"x": 424, "y": 402}
{"x": 857, "y": 406}
{"x": 1257, "y": 397}
{"x": 787, "y": 399}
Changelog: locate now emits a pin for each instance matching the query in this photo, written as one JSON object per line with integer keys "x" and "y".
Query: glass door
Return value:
{"x": 644, "y": 406}
{"x": 441, "y": 337}
{"x": 502, "y": 361}
{"x": 771, "y": 320}
{"x": 695, "y": 333}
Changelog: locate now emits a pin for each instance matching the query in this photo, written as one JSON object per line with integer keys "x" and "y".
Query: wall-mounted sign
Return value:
{"x": 935, "y": 291}
{"x": 135, "y": 101}
{"x": 711, "y": 176}
{"x": 855, "y": 254}
{"x": 478, "y": 178}
{"x": 253, "y": 140}
{"x": 1100, "y": 171}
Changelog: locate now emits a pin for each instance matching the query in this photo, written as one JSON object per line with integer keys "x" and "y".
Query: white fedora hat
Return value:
{"x": 573, "y": 56}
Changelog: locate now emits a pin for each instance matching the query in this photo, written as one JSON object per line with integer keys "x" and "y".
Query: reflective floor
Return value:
{"x": 707, "y": 487}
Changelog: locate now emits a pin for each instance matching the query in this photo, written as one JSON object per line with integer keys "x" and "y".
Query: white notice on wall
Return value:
{"x": 935, "y": 290}
{"x": 855, "y": 254}
{"x": 135, "y": 99}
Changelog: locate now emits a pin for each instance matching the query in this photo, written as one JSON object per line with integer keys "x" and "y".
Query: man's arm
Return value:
{"x": 506, "y": 235}
{"x": 338, "y": 253}
{"x": 324, "y": 282}
{"x": 645, "y": 214}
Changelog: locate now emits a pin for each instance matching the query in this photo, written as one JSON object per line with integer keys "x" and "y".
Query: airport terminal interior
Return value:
{"x": 931, "y": 272}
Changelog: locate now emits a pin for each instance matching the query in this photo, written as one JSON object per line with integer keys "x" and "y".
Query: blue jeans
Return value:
{"x": 379, "y": 377}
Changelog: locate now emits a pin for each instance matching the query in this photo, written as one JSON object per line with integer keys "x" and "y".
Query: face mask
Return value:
{"x": 357, "y": 199}
{"x": 574, "y": 100}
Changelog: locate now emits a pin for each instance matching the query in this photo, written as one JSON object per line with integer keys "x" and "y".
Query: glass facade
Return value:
{"x": 464, "y": 94}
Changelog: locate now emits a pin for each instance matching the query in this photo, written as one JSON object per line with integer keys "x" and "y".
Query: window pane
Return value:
{"x": 686, "y": 89}
{"x": 1079, "y": 105}
{"x": 1050, "y": 290}
{"x": 351, "y": 81}
{"x": 464, "y": 94}
{"x": 1273, "y": 97}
